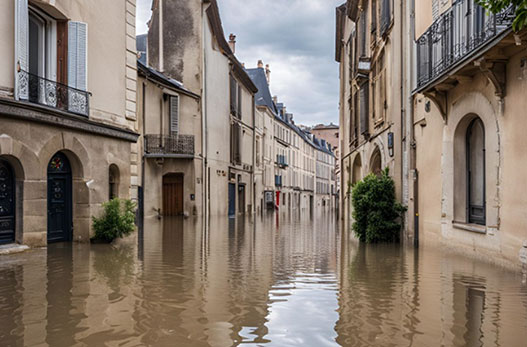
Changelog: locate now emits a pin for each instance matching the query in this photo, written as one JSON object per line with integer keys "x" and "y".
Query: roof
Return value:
{"x": 166, "y": 81}
{"x": 325, "y": 126}
{"x": 263, "y": 96}
{"x": 213, "y": 15}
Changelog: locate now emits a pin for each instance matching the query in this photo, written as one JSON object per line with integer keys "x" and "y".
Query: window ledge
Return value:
{"x": 480, "y": 229}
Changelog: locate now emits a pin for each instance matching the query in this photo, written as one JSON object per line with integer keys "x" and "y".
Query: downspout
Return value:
{"x": 404, "y": 115}
{"x": 204, "y": 133}
{"x": 411, "y": 130}
{"x": 143, "y": 131}
{"x": 253, "y": 179}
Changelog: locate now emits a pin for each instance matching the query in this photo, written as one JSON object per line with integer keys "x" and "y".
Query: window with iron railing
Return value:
{"x": 458, "y": 32}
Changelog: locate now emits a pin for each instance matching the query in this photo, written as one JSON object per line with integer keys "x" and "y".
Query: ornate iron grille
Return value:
{"x": 461, "y": 30}
{"x": 169, "y": 144}
{"x": 42, "y": 91}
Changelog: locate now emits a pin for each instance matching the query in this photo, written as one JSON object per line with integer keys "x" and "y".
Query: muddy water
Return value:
{"x": 268, "y": 282}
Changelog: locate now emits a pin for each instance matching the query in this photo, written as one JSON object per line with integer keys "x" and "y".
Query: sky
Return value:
{"x": 296, "y": 38}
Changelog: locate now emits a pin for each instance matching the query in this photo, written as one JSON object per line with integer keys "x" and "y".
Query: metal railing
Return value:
{"x": 46, "y": 92}
{"x": 169, "y": 144}
{"x": 458, "y": 32}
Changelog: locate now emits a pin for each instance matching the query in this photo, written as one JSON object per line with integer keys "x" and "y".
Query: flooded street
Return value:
{"x": 271, "y": 281}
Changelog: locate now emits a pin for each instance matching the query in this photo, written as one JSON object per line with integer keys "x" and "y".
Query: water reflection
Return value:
{"x": 277, "y": 281}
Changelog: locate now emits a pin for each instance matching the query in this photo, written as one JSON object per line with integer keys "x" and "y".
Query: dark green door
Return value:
{"x": 59, "y": 199}
{"x": 7, "y": 203}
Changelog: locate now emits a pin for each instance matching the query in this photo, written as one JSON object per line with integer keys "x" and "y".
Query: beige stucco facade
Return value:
{"x": 37, "y": 128}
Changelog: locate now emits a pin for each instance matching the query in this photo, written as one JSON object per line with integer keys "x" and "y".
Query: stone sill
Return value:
{"x": 12, "y": 248}
{"x": 480, "y": 229}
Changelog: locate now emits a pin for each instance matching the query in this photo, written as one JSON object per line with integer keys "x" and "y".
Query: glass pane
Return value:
{"x": 477, "y": 164}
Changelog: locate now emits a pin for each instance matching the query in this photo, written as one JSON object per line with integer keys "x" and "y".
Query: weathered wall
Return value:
{"x": 180, "y": 54}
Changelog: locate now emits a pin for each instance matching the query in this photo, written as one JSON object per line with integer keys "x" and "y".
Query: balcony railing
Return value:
{"x": 42, "y": 91}
{"x": 169, "y": 145}
{"x": 457, "y": 33}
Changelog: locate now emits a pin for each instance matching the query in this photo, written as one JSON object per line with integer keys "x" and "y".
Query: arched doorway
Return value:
{"x": 376, "y": 162}
{"x": 114, "y": 179}
{"x": 475, "y": 144}
{"x": 59, "y": 199}
{"x": 173, "y": 188}
{"x": 7, "y": 203}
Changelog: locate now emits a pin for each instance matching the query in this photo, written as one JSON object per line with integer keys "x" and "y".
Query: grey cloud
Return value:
{"x": 296, "y": 37}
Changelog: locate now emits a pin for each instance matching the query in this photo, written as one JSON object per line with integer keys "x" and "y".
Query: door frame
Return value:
{"x": 11, "y": 172}
{"x": 178, "y": 175}
{"x": 68, "y": 199}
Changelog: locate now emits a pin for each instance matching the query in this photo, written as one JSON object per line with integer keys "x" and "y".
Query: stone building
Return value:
{"x": 369, "y": 50}
{"x": 186, "y": 43}
{"x": 330, "y": 134}
{"x": 170, "y": 128}
{"x": 68, "y": 115}
{"x": 469, "y": 96}
{"x": 454, "y": 98}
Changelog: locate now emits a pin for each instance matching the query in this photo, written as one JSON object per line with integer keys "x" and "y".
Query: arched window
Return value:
{"x": 376, "y": 162}
{"x": 476, "y": 201}
{"x": 113, "y": 182}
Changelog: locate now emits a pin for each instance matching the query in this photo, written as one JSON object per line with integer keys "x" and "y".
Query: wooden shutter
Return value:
{"x": 233, "y": 91}
{"x": 382, "y": 94}
{"x": 22, "y": 46}
{"x": 364, "y": 101}
{"x": 239, "y": 99}
{"x": 62, "y": 52}
{"x": 77, "y": 55}
{"x": 174, "y": 115}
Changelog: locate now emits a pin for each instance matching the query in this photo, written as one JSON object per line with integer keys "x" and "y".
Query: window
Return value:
{"x": 113, "y": 182}
{"x": 235, "y": 97}
{"x": 373, "y": 19}
{"x": 362, "y": 34}
{"x": 236, "y": 158}
{"x": 379, "y": 90}
{"x": 386, "y": 16}
{"x": 364, "y": 108}
{"x": 476, "y": 200}
{"x": 50, "y": 51}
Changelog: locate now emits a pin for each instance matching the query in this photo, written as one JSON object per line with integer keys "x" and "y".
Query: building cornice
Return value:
{"x": 46, "y": 115}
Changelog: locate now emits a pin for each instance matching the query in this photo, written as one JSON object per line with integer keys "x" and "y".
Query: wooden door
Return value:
{"x": 59, "y": 199}
{"x": 173, "y": 194}
{"x": 7, "y": 203}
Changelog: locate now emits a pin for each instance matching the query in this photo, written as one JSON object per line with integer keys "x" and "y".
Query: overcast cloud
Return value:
{"x": 296, "y": 38}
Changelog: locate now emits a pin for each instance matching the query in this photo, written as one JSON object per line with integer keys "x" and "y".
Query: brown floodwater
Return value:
{"x": 264, "y": 282}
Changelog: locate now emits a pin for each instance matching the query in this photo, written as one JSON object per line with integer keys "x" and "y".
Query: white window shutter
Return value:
{"x": 77, "y": 55}
{"x": 174, "y": 115}
{"x": 22, "y": 47}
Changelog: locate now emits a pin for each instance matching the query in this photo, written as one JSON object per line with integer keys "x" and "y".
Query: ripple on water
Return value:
{"x": 263, "y": 281}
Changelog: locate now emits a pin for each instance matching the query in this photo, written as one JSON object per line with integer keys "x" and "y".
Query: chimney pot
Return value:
{"x": 268, "y": 74}
{"x": 260, "y": 64}
{"x": 232, "y": 43}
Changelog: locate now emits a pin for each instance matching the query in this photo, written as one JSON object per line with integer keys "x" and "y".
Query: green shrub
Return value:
{"x": 117, "y": 220}
{"x": 376, "y": 212}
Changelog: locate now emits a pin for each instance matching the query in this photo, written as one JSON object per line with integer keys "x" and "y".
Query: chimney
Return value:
{"x": 232, "y": 43}
{"x": 260, "y": 64}
{"x": 268, "y": 74}
{"x": 275, "y": 99}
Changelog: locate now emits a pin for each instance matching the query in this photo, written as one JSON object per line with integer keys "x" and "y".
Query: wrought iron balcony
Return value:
{"x": 169, "y": 146}
{"x": 42, "y": 91}
{"x": 464, "y": 29}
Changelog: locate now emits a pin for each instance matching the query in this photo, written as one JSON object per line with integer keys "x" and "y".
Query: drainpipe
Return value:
{"x": 204, "y": 132}
{"x": 142, "y": 153}
{"x": 410, "y": 121}
{"x": 253, "y": 180}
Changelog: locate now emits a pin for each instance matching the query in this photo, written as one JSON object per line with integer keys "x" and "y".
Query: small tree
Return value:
{"x": 376, "y": 212}
{"x": 496, "y": 6}
{"x": 117, "y": 220}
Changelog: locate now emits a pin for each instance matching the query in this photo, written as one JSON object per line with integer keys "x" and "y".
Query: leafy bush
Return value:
{"x": 376, "y": 212}
{"x": 117, "y": 220}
